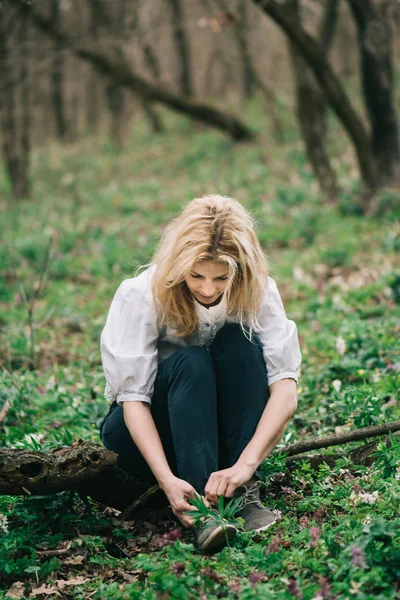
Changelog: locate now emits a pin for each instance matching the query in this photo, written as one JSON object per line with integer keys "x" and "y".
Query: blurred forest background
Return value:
{"x": 113, "y": 115}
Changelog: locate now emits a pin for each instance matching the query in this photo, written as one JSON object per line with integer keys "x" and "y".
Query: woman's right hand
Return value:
{"x": 178, "y": 491}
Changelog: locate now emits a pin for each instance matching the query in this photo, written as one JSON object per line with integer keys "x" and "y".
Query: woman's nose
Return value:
{"x": 208, "y": 289}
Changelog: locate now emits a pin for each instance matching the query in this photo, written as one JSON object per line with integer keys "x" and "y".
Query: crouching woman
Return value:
{"x": 201, "y": 365}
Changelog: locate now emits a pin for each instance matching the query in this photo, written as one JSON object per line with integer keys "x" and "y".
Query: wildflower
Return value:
{"x": 315, "y": 534}
{"x": 325, "y": 591}
{"x": 171, "y": 536}
{"x": 304, "y": 522}
{"x": 337, "y": 384}
{"x": 293, "y": 588}
{"x": 255, "y": 578}
{"x": 363, "y": 497}
{"x": 177, "y": 568}
{"x": 358, "y": 557}
{"x": 75, "y": 401}
{"x": 319, "y": 515}
{"x": 367, "y": 520}
{"x": 274, "y": 546}
{"x": 211, "y": 574}
{"x": 51, "y": 384}
{"x": 278, "y": 514}
{"x": 376, "y": 376}
{"x": 61, "y": 389}
{"x": 3, "y": 523}
{"x": 341, "y": 346}
{"x": 397, "y": 476}
{"x": 391, "y": 402}
{"x": 361, "y": 371}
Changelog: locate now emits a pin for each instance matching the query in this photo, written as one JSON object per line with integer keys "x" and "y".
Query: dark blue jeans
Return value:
{"x": 205, "y": 405}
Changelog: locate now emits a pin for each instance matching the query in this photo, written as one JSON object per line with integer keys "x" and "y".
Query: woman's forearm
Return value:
{"x": 271, "y": 427}
{"x": 141, "y": 426}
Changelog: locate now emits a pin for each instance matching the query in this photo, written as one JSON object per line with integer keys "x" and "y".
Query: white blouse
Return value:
{"x": 132, "y": 344}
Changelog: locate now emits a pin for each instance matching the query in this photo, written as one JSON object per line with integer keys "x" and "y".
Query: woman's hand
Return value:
{"x": 224, "y": 483}
{"x": 178, "y": 491}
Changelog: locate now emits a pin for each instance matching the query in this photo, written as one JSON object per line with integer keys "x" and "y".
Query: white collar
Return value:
{"x": 214, "y": 310}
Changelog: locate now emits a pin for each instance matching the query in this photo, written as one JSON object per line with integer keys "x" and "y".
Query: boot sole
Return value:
{"x": 260, "y": 528}
{"x": 217, "y": 539}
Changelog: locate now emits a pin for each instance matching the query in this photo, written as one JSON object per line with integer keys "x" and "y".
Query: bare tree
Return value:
{"x": 14, "y": 98}
{"x": 153, "y": 64}
{"x": 182, "y": 47}
{"x": 112, "y": 62}
{"x": 375, "y": 44}
{"x": 57, "y": 80}
{"x": 311, "y": 103}
{"x": 336, "y": 95}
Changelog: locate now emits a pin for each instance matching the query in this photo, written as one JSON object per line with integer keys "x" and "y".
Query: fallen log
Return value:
{"x": 90, "y": 469}
{"x": 83, "y": 467}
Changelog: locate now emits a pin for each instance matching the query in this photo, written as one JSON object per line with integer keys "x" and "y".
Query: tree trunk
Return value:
{"x": 182, "y": 47}
{"x": 153, "y": 64}
{"x": 245, "y": 60}
{"x": 14, "y": 99}
{"x": 57, "y": 80}
{"x": 92, "y": 85}
{"x": 113, "y": 64}
{"x": 375, "y": 44}
{"x": 335, "y": 93}
{"x": 311, "y": 105}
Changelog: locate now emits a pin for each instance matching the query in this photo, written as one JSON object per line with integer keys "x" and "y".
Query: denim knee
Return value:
{"x": 194, "y": 363}
{"x": 232, "y": 338}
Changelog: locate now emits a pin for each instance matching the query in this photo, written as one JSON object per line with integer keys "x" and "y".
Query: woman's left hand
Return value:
{"x": 224, "y": 483}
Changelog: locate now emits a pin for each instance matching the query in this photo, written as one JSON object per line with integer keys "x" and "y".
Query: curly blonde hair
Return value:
{"x": 211, "y": 228}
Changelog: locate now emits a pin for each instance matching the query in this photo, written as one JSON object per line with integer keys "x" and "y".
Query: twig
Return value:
{"x": 345, "y": 438}
{"x": 127, "y": 511}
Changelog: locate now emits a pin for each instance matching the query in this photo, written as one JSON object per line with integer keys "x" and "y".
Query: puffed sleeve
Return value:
{"x": 129, "y": 345}
{"x": 278, "y": 336}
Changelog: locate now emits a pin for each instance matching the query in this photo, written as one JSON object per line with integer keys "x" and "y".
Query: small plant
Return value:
{"x": 388, "y": 457}
{"x": 204, "y": 515}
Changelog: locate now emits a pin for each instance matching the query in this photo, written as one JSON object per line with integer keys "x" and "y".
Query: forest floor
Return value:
{"x": 337, "y": 534}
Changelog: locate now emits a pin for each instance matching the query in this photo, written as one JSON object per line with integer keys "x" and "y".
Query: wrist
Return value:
{"x": 164, "y": 479}
{"x": 248, "y": 462}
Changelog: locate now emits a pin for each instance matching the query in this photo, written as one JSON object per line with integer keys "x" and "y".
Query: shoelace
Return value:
{"x": 249, "y": 496}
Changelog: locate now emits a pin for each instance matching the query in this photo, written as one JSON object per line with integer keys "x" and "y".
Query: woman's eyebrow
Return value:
{"x": 223, "y": 275}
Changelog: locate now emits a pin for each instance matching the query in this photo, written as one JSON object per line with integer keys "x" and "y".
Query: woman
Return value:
{"x": 201, "y": 365}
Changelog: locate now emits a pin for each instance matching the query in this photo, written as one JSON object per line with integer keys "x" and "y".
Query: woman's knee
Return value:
{"x": 232, "y": 341}
{"x": 195, "y": 363}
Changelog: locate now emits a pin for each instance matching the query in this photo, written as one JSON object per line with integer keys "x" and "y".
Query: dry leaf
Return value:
{"x": 62, "y": 583}
{"x": 74, "y": 560}
{"x": 44, "y": 589}
{"x": 17, "y": 590}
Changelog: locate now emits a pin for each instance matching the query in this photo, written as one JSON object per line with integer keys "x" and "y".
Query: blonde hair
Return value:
{"x": 211, "y": 228}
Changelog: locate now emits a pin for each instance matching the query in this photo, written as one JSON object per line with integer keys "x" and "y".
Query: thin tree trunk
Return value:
{"x": 245, "y": 60}
{"x": 182, "y": 48}
{"x": 335, "y": 93}
{"x": 153, "y": 64}
{"x": 311, "y": 105}
{"x": 14, "y": 100}
{"x": 57, "y": 81}
{"x": 92, "y": 85}
{"x": 375, "y": 44}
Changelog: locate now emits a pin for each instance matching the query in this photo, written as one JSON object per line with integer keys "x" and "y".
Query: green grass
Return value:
{"x": 339, "y": 275}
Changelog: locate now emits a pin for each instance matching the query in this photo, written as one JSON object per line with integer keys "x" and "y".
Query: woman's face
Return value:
{"x": 207, "y": 281}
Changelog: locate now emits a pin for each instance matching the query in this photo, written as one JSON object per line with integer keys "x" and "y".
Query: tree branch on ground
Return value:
{"x": 91, "y": 469}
